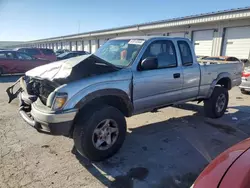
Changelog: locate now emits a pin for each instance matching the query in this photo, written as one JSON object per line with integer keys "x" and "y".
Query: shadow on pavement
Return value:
{"x": 148, "y": 159}
{"x": 170, "y": 153}
{"x": 9, "y": 78}
{"x": 241, "y": 108}
{"x": 191, "y": 107}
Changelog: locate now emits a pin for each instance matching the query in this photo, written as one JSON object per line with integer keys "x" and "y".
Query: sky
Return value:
{"x": 25, "y": 20}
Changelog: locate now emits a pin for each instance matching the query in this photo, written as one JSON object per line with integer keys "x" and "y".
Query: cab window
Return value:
{"x": 164, "y": 51}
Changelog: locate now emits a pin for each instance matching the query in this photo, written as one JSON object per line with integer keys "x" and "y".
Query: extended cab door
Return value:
{"x": 161, "y": 86}
{"x": 191, "y": 71}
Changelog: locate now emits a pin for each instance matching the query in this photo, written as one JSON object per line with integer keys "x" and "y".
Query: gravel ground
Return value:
{"x": 168, "y": 148}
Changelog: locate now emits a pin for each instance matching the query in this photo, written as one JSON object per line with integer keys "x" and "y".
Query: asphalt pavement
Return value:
{"x": 164, "y": 149}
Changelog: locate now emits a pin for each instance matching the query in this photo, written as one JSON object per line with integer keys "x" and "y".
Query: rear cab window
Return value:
{"x": 47, "y": 51}
{"x": 185, "y": 52}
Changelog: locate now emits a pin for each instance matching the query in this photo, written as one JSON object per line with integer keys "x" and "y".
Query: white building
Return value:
{"x": 217, "y": 33}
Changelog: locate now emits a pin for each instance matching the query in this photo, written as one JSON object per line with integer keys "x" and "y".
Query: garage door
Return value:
{"x": 93, "y": 46}
{"x": 237, "y": 42}
{"x": 79, "y": 45}
{"x": 101, "y": 42}
{"x": 54, "y": 46}
{"x": 177, "y": 34}
{"x": 59, "y": 45}
{"x": 86, "y": 46}
{"x": 203, "y": 42}
{"x": 73, "y": 46}
{"x": 66, "y": 45}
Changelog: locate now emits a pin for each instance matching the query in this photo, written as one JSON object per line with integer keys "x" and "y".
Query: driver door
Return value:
{"x": 161, "y": 86}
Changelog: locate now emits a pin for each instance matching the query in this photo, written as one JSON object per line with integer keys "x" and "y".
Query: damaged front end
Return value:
{"x": 31, "y": 88}
{"x": 35, "y": 99}
{"x": 28, "y": 91}
{"x": 10, "y": 90}
{"x": 40, "y": 92}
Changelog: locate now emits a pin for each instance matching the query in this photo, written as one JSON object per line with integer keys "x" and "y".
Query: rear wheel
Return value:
{"x": 100, "y": 133}
{"x": 216, "y": 105}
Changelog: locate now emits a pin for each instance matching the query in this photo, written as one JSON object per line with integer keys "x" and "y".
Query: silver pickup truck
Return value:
{"x": 88, "y": 97}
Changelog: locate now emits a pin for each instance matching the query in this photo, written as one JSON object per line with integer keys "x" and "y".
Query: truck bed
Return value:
{"x": 211, "y": 71}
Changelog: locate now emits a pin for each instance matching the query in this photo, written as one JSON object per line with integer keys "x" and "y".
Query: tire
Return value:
{"x": 214, "y": 107}
{"x": 85, "y": 137}
{"x": 243, "y": 91}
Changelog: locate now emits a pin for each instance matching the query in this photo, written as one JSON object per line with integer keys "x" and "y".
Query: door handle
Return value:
{"x": 176, "y": 75}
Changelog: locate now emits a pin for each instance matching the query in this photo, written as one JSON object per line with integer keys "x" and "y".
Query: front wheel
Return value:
{"x": 216, "y": 105}
{"x": 100, "y": 132}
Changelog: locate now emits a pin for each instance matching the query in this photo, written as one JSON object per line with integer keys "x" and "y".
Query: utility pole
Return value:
{"x": 79, "y": 26}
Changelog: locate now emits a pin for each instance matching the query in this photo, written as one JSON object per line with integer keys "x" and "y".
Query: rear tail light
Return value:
{"x": 245, "y": 74}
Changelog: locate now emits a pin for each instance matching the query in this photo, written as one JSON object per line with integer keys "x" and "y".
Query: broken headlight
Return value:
{"x": 59, "y": 101}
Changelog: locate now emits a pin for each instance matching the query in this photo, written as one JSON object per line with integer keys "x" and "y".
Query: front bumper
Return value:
{"x": 45, "y": 120}
{"x": 38, "y": 115}
{"x": 245, "y": 85}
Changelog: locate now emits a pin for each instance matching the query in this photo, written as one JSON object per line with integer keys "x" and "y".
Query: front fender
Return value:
{"x": 117, "y": 88}
{"x": 107, "y": 93}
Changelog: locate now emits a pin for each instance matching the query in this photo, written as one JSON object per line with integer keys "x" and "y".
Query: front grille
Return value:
{"x": 45, "y": 90}
{"x": 42, "y": 88}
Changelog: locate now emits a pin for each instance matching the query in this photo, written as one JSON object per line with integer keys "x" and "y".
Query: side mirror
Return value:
{"x": 149, "y": 63}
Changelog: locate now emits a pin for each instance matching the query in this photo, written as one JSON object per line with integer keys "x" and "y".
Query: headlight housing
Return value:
{"x": 59, "y": 101}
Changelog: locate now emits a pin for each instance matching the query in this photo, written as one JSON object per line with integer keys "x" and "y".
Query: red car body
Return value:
{"x": 231, "y": 169}
{"x": 18, "y": 62}
{"x": 42, "y": 53}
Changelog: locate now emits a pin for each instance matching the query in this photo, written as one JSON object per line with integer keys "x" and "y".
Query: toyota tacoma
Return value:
{"x": 88, "y": 97}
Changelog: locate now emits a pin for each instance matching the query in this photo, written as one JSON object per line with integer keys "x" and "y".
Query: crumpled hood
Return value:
{"x": 58, "y": 69}
{"x": 72, "y": 69}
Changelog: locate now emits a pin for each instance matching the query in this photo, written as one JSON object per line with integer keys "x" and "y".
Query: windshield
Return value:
{"x": 63, "y": 54}
{"x": 120, "y": 52}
